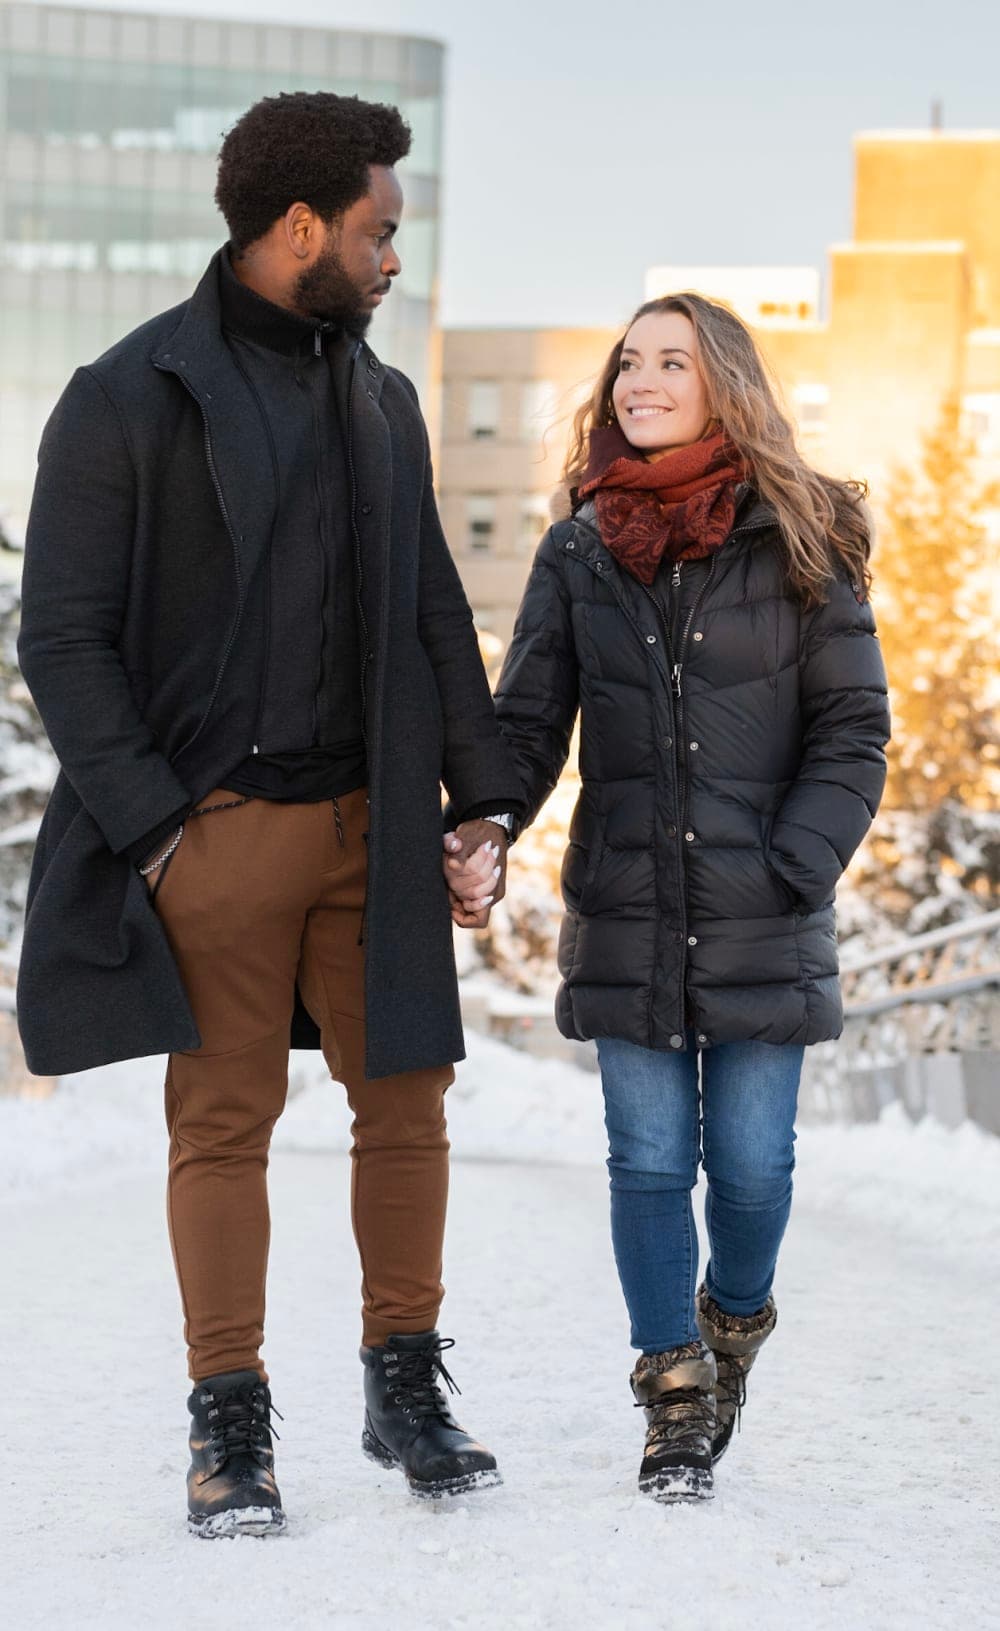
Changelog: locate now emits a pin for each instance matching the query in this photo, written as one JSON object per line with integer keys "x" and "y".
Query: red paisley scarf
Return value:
{"x": 680, "y": 506}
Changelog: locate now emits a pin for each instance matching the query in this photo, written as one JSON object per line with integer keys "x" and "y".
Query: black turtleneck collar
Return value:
{"x": 250, "y": 316}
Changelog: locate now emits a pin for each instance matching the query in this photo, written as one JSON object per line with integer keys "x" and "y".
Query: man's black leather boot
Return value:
{"x": 231, "y": 1487}
{"x": 408, "y": 1423}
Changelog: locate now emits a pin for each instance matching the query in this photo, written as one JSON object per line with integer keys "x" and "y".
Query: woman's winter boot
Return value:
{"x": 735, "y": 1340}
{"x": 676, "y": 1390}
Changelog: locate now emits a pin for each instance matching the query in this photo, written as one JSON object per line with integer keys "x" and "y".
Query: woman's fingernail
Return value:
{"x": 496, "y": 872}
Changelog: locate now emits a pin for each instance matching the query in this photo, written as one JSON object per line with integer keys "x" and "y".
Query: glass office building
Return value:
{"x": 110, "y": 124}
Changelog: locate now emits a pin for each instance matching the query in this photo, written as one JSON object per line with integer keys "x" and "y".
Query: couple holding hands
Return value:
{"x": 252, "y": 653}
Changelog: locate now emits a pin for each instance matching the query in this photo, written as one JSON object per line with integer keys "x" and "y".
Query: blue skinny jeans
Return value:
{"x": 741, "y": 1125}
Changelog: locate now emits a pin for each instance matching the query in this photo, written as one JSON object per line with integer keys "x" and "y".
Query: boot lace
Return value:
{"x": 680, "y": 1419}
{"x": 414, "y": 1379}
{"x": 239, "y": 1421}
{"x": 731, "y": 1387}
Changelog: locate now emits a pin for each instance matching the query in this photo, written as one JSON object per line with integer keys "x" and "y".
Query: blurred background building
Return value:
{"x": 507, "y": 405}
{"x": 110, "y": 125}
{"x": 912, "y": 321}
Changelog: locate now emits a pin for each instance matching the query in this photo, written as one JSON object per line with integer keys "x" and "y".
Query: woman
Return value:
{"x": 705, "y": 611}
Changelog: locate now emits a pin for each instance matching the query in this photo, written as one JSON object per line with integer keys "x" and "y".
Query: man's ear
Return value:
{"x": 300, "y": 229}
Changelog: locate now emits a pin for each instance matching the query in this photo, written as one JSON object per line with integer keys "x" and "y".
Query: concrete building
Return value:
{"x": 507, "y": 405}
{"x": 913, "y": 316}
{"x": 110, "y": 124}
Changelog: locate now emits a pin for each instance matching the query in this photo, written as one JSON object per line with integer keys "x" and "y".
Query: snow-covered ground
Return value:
{"x": 860, "y": 1496}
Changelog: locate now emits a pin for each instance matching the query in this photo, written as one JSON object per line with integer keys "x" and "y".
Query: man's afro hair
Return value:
{"x": 312, "y": 146}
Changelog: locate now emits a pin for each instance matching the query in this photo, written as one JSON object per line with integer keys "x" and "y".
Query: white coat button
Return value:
{"x": 694, "y": 746}
{"x": 651, "y": 639}
{"x": 699, "y": 637}
{"x": 692, "y": 939}
{"x": 702, "y": 1038}
{"x": 677, "y": 1042}
{"x": 690, "y": 837}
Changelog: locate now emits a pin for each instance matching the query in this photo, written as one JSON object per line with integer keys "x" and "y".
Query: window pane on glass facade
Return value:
{"x": 110, "y": 124}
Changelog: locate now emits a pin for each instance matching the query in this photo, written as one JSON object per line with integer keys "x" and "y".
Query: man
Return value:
{"x": 252, "y": 653}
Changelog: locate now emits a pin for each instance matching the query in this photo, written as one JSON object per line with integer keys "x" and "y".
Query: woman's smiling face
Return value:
{"x": 660, "y": 396}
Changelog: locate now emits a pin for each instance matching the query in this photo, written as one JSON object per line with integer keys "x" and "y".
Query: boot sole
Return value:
{"x": 678, "y": 1484}
{"x": 437, "y": 1489}
{"x": 247, "y": 1520}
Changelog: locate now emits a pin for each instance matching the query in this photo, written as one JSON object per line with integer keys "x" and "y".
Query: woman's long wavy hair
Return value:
{"x": 819, "y": 518}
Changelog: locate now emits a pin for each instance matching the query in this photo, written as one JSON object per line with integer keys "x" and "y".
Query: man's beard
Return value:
{"x": 325, "y": 292}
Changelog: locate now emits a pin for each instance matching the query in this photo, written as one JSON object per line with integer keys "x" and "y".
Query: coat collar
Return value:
{"x": 238, "y": 443}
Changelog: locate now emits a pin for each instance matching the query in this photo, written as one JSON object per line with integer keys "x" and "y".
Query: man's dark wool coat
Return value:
{"x": 142, "y": 641}
{"x": 720, "y": 801}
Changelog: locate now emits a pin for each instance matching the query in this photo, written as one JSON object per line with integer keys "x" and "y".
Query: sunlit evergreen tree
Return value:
{"x": 936, "y": 600}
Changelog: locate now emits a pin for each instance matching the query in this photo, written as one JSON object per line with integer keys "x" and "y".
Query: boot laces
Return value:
{"x": 239, "y": 1421}
{"x": 731, "y": 1387}
{"x": 680, "y": 1418}
{"x": 414, "y": 1378}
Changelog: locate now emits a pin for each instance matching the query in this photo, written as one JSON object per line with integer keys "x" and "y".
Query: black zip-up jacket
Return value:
{"x": 310, "y": 735}
{"x": 731, "y": 754}
{"x": 143, "y": 641}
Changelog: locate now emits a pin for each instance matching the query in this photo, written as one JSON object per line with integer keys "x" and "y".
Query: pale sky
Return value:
{"x": 587, "y": 142}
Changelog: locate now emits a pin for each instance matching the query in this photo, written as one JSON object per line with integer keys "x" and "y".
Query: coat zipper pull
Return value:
{"x": 675, "y": 675}
{"x": 675, "y": 581}
{"x": 318, "y": 343}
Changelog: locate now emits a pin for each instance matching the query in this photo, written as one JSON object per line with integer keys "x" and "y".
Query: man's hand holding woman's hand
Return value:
{"x": 475, "y": 869}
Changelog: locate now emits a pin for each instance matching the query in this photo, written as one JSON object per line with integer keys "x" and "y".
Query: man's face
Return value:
{"x": 353, "y": 268}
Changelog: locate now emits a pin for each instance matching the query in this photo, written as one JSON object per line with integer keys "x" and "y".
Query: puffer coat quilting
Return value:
{"x": 712, "y": 826}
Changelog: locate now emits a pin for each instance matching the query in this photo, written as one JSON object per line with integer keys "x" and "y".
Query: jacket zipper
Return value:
{"x": 676, "y": 663}
{"x": 680, "y": 776}
{"x": 262, "y": 687}
{"x": 357, "y": 553}
{"x": 234, "y": 630}
{"x": 364, "y": 633}
{"x": 675, "y": 717}
{"x": 321, "y": 538}
{"x": 676, "y": 668}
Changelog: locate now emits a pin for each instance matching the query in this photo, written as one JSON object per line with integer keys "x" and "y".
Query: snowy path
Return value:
{"x": 861, "y": 1495}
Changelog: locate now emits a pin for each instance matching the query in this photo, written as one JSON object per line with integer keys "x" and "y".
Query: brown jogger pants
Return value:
{"x": 257, "y": 896}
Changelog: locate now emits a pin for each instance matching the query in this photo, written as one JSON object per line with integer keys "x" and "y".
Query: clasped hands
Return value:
{"x": 475, "y": 870}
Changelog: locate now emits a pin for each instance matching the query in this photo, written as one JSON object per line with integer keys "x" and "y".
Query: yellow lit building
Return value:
{"x": 913, "y": 316}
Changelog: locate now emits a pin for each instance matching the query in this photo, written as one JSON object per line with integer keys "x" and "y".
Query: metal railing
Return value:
{"x": 921, "y": 1024}
{"x": 938, "y": 989}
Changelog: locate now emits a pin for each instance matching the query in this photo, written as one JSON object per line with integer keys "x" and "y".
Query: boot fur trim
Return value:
{"x": 691, "y": 1366}
{"x": 733, "y": 1333}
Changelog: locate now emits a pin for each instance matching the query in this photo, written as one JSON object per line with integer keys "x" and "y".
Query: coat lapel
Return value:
{"x": 369, "y": 443}
{"x": 238, "y": 448}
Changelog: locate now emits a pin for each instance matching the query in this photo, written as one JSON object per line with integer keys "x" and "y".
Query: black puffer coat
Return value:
{"x": 732, "y": 761}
